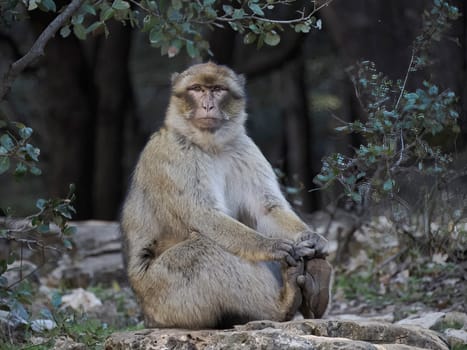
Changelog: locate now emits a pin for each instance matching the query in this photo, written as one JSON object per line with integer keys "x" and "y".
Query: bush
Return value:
{"x": 400, "y": 133}
{"x": 19, "y": 157}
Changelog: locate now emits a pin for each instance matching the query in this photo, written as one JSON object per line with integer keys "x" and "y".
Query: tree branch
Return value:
{"x": 37, "y": 48}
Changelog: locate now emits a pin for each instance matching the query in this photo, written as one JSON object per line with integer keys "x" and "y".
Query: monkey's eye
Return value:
{"x": 218, "y": 88}
{"x": 195, "y": 88}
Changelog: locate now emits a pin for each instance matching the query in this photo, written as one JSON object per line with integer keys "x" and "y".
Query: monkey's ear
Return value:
{"x": 174, "y": 77}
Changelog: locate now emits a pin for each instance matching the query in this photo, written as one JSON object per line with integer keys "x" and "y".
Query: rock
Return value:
{"x": 81, "y": 300}
{"x": 425, "y": 320}
{"x": 389, "y": 317}
{"x": 456, "y": 320}
{"x": 19, "y": 270}
{"x": 456, "y": 337}
{"x": 42, "y": 325}
{"x": 303, "y": 334}
{"x": 97, "y": 257}
{"x": 65, "y": 343}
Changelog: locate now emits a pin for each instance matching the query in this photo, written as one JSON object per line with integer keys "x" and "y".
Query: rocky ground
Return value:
{"x": 83, "y": 301}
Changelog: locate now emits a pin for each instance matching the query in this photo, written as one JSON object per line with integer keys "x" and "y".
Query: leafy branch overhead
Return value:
{"x": 177, "y": 24}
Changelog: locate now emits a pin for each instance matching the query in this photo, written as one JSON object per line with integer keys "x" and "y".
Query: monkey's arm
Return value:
{"x": 275, "y": 217}
{"x": 238, "y": 238}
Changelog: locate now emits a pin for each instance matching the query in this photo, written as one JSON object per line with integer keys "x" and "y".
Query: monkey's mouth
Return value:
{"x": 208, "y": 123}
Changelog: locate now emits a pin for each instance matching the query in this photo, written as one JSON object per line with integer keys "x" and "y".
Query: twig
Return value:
{"x": 405, "y": 79}
{"x": 302, "y": 18}
{"x": 37, "y": 49}
{"x": 391, "y": 258}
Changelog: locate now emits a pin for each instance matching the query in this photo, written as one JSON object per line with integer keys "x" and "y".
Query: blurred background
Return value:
{"x": 94, "y": 103}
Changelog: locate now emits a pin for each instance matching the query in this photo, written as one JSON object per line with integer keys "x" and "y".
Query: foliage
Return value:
{"x": 380, "y": 287}
{"x": 79, "y": 327}
{"x": 400, "y": 135}
{"x": 51, "y": 219}
{"x": 67, "y": 323}
{"x": 177, "y": 24}
{"x": 14, "y": 145}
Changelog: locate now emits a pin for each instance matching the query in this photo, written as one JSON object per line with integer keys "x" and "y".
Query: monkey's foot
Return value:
{"x": 293, "y": 292}
{"x": 316, "y": 288}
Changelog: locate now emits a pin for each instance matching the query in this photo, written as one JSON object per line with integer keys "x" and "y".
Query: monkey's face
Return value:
{"x": 206, "y": 105}
{"x": 209, "y": 96}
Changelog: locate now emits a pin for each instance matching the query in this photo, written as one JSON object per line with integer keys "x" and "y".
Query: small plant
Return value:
{"x": 32, "y": 232}
{"x": 401, "y": 132}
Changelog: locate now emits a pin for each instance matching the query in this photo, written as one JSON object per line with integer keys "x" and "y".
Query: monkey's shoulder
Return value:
{"x": 161, "y": 146}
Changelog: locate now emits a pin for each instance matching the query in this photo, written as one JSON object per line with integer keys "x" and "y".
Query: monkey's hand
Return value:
{"x": 282, "y": 249}
{"x": 310, "y": 245}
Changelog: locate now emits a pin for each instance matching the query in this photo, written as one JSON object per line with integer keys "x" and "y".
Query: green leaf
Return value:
{"x": 120, "y": 5}
{"x": 94, "y": 27}
{"x": 25, "y": 133}
{"x": 4, "y": 164}
{"x": 56, "y": 300}
{"x": 33, "y": 4}
{"x": 318, "y": 25}
{"x": 210, "y": 12}
{"x": 191, "y": 49}
{"x": 174, "y": 15}
{"x": 89, "y": 9}
{"x": 48, "y": 5}
{"x": 65, "y": 31}
{"x": 67, "y": 243}
{"x": 32, "y": 152}
{"x": 63, "y": 210}
{"x": 79, "y": 31}
{"x": 35, "y": 171}
{"x": 228, "y": 9}
{"x": 388, "y": 185}
{"x": 43, "y": 228}
{"x": 41, "y": 203}
{"x": 21, "y": 169}
{"x": 433, "y": 90}
{"x": 356, "y": 197}
{"x": 254, "y": 28}
{"x": 70, "y": 230}
{"x": 155, "y": 35}
{"x": 7, "y": 142}
{"x": 208, "y": 2}
{"x": 107, "y": 14}
{"x": 77, "y": 19}
{"x": 256, "y": 9}
{"x": 249, "y": 38}
{"x": 238, "y": 14}
{"x": 302, "y": 28}
{"x": 272, "y": 38}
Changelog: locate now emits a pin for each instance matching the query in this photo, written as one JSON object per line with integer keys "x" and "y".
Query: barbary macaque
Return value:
{"x": 210, "y": 240}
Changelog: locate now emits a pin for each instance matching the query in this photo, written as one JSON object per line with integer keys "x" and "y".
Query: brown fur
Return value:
{"x": 205, "y": 225}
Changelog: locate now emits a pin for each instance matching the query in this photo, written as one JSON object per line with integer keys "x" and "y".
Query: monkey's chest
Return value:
{"x": 231, "y": 190}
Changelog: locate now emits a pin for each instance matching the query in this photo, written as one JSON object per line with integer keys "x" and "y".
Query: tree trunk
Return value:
{"x": 112, "y": 84}
{"x": 297, "y": 132}
{"x": 69, "y": 128}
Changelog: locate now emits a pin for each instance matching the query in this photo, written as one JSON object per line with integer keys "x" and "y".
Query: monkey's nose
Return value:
{"x": 208, "y": 106}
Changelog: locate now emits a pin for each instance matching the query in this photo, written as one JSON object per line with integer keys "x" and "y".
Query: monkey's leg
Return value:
{"x": 197, "y": 284}
{"x": 316, "y": 288}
